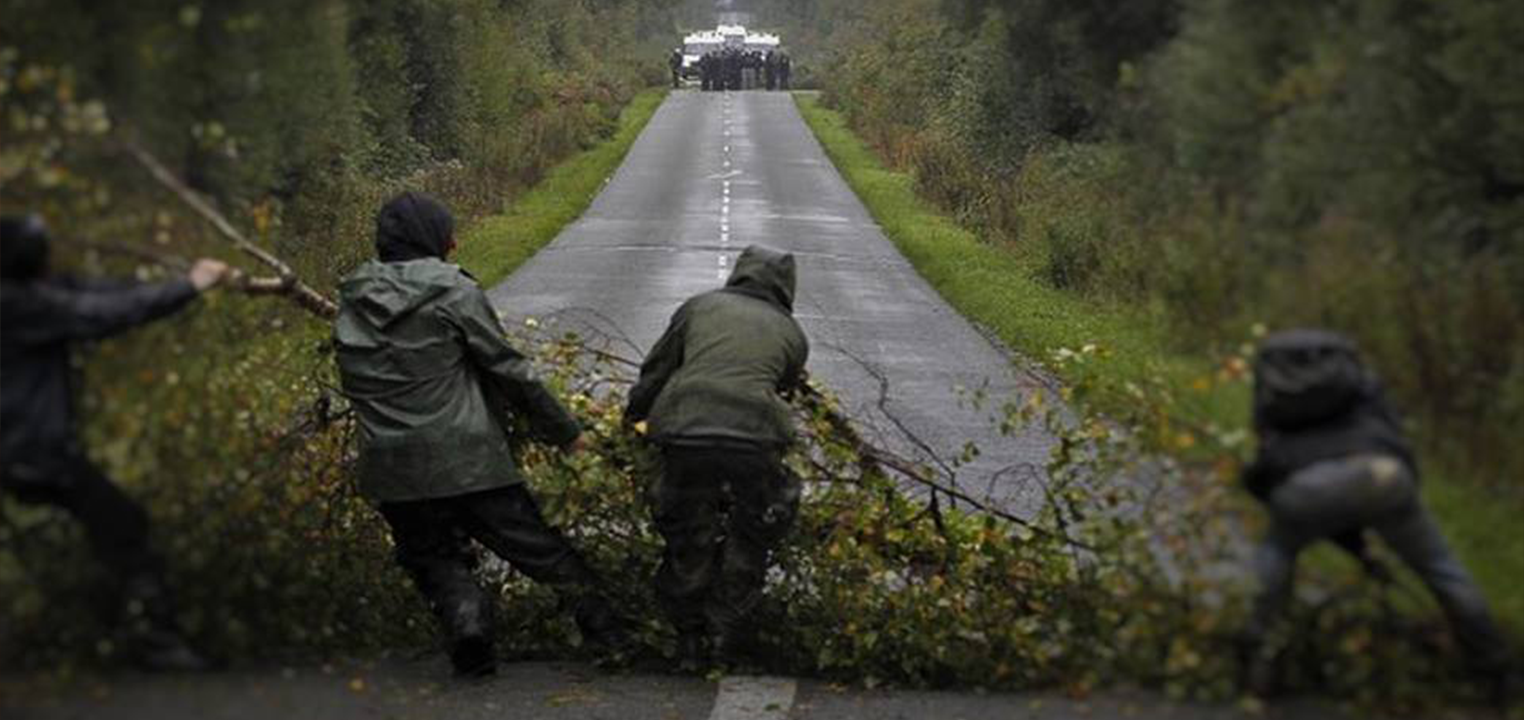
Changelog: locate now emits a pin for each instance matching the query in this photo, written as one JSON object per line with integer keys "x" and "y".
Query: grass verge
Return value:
{"x": 995, "y": 287}
{"x": 498, "y": 244}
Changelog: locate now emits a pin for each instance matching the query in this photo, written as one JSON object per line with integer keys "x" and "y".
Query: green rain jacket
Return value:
{"x": 424, "y": 360}
{"x": 719, "y": 373}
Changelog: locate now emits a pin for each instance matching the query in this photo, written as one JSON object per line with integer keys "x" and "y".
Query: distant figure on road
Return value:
{"x": 785, "y": 70}
{"x": 424, "y": 359}
{"x": 733, "y": 64}
{"x": 675, "y": 64}
{"x": 707, "y": 72}
{"x": 42, "y": 461}
{"x": 1332, "y": 462}
{"x": 770, "y": 69}
{"x": 713, "y": 390}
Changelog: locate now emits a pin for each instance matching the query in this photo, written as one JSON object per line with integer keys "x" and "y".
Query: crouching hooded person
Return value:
{"x": 44, "y": 317}
{"x": 423, "y": 358}
{"x": 712, "y": 390}
{"x": 1332, "y": 463}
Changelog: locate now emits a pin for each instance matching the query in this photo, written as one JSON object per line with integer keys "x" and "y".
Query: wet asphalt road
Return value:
{"x": 422, "y": 690}
{"x": 715, "y": 172}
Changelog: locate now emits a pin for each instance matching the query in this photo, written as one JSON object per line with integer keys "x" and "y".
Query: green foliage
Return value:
{"x": 1227, "y": 163}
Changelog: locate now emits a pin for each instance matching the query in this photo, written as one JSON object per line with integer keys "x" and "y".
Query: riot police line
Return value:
{"x": 737, "y": 69}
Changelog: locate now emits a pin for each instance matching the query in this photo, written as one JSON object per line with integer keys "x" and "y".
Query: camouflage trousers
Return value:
{"x": 721, "y": 511}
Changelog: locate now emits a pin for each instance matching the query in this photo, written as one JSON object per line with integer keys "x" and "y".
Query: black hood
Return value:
{"x": 765, "y": 273}
{"x": 413, "y": 226}
{"x": 23, "y": 247}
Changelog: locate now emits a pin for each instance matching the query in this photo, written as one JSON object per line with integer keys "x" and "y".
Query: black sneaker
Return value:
{"x": 165, "y": 651}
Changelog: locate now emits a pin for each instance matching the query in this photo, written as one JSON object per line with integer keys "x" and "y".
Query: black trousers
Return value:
{"x": 433, "y": 539}
{"x": 721, "y": 512}
{"x": 117, "y": 527}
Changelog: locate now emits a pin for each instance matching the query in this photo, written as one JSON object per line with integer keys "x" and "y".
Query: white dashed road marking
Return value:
{"x": 754, "y": 698}
{"x": 721, "y": 274}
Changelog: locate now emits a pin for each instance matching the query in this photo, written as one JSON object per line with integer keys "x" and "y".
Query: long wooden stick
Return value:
{"x": 288, "y": 283}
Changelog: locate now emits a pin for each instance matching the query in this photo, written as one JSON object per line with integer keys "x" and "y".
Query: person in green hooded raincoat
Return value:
{"x": 437, "y": 387}
{"x": 712, "y": 392}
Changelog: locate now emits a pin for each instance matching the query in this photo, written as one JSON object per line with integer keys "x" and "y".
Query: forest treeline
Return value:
{"x": 1355, "y": 164}
{"x": 299, "y": 117}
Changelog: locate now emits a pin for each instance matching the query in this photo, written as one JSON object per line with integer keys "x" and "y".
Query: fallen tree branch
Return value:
{"x": 285, "y": 283}
{"x": 813, "y": 400}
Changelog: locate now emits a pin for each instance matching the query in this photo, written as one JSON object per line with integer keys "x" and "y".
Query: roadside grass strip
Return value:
{"x": 498, "y": 244}
{"x": 995, "y": 288}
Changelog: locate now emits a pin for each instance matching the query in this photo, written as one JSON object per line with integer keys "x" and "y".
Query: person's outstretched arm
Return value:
{"x": 663, "y": 360}
{"x": 98, "y": 311}
{"x": 509, "y": 372}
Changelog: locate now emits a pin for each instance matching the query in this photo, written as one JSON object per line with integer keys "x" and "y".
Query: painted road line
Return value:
{"x": 754, "y": 698}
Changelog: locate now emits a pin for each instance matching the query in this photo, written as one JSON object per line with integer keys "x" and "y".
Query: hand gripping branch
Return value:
{"x": 284, "y": 283}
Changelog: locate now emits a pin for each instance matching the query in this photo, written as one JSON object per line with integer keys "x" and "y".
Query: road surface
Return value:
{"x": 563, "y": 691}
{"x": 715, "y": 172}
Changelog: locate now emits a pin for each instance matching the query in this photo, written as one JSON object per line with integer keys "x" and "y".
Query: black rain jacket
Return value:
{"x": 39, "y": 322}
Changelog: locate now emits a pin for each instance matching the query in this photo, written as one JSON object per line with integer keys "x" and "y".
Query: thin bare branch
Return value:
{"x": 286, "y": 283}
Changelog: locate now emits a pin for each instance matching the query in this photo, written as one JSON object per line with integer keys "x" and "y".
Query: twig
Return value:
{"x": 286, "y": 283}
{"x": 888, "y": 461}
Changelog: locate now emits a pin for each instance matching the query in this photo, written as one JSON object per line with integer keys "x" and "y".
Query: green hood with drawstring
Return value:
{"x": 423, "y": 359}
{"x": 719, "y": 373}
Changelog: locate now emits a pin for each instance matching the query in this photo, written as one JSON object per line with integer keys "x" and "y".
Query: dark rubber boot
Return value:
{"x": 1508, "y": 692}
{"x": 692, "y": 653}
{"x": 602, "y": 628}
{"x": 473, "y": 657}
{"x": 1258, "y": 676}
{"x": 470, "y": 632}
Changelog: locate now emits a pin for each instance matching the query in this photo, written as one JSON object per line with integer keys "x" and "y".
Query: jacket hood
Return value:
{"x": 381, "y": 293}
{"x": 767, "y": 273}
{"x": 413, "y": 226}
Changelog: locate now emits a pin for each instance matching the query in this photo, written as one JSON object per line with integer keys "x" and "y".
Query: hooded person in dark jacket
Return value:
{"x": 437, "y": 387}
{"x": 1333, "y": 462}
{"x": 712, "y": 394}
{"x": 43, "y": 318}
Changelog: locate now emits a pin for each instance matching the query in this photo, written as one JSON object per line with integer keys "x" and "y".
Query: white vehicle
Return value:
{"x": 698, "y": 44}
